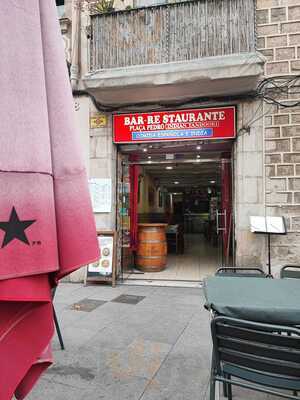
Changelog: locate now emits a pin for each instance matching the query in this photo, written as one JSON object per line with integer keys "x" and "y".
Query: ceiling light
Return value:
{"x": 176, "y": 182}
{"x": 145, "y": 149}
{"x": 149, "y": 157}
{"x": 169, "y": 167}
{"x": 198, "y": 156}
{"x": 198, "y": 147}
{"x": 212, "y": 182}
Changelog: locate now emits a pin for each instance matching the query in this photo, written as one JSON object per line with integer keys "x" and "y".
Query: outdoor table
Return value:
{"x": 274, "y": 301}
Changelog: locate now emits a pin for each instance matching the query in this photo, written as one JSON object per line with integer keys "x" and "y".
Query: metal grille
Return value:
{"x": 172, "y": 32}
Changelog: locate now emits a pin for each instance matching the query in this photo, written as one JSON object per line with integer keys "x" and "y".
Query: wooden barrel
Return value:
{"x": 152, "y": 247}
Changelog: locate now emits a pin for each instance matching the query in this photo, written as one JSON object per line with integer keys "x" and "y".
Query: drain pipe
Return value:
{"x": 74, "y": 69}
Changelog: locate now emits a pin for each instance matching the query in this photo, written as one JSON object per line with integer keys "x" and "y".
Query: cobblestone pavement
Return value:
{"x": 151, "y": 344}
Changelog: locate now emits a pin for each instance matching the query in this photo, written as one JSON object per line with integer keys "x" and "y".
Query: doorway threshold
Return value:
{"x": 161, "y": 283}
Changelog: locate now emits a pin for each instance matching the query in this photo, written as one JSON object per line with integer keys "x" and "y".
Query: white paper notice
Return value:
{"x": 267, "y": 225}
{"x": 100, "y": 190}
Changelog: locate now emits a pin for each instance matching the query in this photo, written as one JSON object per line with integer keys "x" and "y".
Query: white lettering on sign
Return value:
{"x": 133, "y": 120}
{"x": 179, "y": 120}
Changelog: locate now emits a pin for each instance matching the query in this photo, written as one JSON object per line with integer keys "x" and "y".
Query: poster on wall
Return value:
{"x": 202, "y": 123}
{"x": 101, "y": 192}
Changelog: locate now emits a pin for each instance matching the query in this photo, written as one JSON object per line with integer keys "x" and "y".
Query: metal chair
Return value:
{"x": 255, "y": 356}
{"x": 290, "y": 271}
{"x": 61, "y": 342}
{"x": 241, "y": 272}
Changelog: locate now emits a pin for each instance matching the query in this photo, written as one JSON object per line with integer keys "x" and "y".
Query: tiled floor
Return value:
{"x": 199, "y": 260}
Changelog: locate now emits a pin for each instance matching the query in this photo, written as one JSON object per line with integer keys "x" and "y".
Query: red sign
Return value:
{"x": 203, "y": 123}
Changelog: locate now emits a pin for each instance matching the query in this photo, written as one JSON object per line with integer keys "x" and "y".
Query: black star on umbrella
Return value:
{"x": 15, "y": 229}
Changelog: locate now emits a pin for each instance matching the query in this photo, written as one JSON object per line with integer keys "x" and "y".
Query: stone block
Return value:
{"x": 290, "y": 27}
{"x": 295, "y": 223}
{"x": 273, "y": 132}
{"x": 273, "y": 29}
{"x": 278, "y": 14}
{"x": 266, "y": 3}
{"x": 261, "y": 42}
{"x": 285, "y": 53}
{"x": 284, "y": 170}
{"x": 277, "y": 145}
{"x": 294, "y": 39}
{"x": 296, "y": 143}
{"x": 276, "y": 184}
{"x": 270, "y": 170}
{"x": 274, "y": 68}
{"x": 297, "y": 197}
{"x": 262, "y": 16}
{"x": 290, "y": 211}
{"x": 294, "y": 13}
{"x": 291, "y": 158}
{"x": 278, "y": 40}
{"x": 268, "y": 121}
{"x": 295, "y": 109}
{"x": 295, "y": 66}
{"x": 291, "y": 131}
{"x": 295, "y": 118}
{"x": 281, "y": 119}
{"x": 253, "y": 164}
{"x": 273, "y": 158}
{"x": 294, "y": 183}
{"x": 268, "y": 53}
{"x": 278, "y": 198}
{"x": 297, "y": 170}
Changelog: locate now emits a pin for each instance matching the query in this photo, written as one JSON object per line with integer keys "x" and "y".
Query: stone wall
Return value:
{"x": 278, "y": 28}
{"x": 249, "y": 184}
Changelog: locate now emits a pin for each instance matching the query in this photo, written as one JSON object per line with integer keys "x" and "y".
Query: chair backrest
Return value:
{"x": 290, "y": 271}
{"x": 267, "y": 349}
{"x": 240, "y": 271}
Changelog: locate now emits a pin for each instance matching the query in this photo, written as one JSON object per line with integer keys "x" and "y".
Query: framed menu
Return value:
{"x": 104, "y": 269}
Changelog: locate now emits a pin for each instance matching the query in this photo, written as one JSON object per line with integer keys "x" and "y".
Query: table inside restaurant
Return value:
{"x": 274, "y": 301}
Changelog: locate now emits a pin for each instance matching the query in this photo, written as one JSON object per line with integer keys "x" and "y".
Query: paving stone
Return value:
{"x": 128, "y": 299}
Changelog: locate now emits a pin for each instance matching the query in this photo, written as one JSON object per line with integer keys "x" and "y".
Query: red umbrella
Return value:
{"x": 47, "y": 227}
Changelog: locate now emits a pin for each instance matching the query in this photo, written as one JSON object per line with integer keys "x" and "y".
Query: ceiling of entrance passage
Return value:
{"x": 182, "y": 165}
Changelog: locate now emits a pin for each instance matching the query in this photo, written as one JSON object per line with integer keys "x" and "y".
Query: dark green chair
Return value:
{"x": 290, "y": 271}
{"x": 241, "y": 272}
{"x": 257, "y": 356}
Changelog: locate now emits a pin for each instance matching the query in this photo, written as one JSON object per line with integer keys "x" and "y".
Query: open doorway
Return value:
{"x": 184, "y": 191}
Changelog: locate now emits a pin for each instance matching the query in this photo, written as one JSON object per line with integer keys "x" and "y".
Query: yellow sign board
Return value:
{"x": 98, "y": 121}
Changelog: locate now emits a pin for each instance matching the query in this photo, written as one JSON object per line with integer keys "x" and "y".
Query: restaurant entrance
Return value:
{"x": 174, "y": 198}
{"x": 174, "y": 212}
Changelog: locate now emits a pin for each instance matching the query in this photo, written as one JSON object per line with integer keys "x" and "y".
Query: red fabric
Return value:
{"x": 226, "y": 203}
{"x": 134, "y": 183}
{"x": 44, "y": 196}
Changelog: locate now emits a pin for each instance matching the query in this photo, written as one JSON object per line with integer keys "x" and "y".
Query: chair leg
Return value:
{"x": 225, "y": 387}
{"x": 212, "y": 390}
{"x": 229, "y": 389}
{"x": 62, "y": 346}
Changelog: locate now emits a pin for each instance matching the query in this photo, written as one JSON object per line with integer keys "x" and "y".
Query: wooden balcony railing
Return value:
{"x": 172, "y": 32}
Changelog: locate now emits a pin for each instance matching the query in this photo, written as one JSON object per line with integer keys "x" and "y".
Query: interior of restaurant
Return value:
{"x": 179, "y": 193}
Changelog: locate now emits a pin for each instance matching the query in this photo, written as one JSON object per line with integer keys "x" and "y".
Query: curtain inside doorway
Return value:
{"x": 226, "y": 206}
{"x": 134, "y": 182}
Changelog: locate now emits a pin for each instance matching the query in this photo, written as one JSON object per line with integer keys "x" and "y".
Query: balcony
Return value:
{"x": 188, "y": 44}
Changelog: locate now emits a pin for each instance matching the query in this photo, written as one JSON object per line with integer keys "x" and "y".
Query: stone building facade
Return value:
{"x": 267, "y": 147}
{"x": 278, "y": 39}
